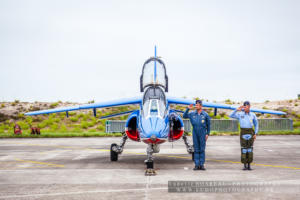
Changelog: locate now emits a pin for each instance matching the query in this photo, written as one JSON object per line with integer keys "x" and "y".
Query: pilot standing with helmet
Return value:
{"x": 200, "y": 121}
{"x": 247, "y": 120}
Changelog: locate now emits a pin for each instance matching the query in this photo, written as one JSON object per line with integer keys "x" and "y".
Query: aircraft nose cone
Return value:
{"x": 152, "y": 127}
{"x": 153, "y": 137}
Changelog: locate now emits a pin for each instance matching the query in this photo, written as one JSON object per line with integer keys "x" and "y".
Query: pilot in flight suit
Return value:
{"x": 247, "y": 120}
{"x": 200, "y": 121}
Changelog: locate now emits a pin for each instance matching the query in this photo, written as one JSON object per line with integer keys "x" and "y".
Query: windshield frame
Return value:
{"x": 157, "y": 96}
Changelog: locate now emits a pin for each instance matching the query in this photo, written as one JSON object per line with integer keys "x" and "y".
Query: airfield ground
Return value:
{"x": 80, "y": 168}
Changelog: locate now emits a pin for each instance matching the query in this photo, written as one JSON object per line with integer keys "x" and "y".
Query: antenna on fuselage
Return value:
{"x": 155, "y": 64}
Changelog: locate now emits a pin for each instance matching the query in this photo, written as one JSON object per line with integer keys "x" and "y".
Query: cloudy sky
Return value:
{"x": 83, "y": 50}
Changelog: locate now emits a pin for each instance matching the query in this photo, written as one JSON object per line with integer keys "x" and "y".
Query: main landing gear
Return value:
{"x": 189, "y": 147}
{"x": 115, "y": 149}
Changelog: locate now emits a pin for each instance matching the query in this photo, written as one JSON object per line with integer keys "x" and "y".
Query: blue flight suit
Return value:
{"x": 201, "y": 128}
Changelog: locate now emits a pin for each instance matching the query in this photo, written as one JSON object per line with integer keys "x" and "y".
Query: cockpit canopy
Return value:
{"x": 154, "y": 74}
{"x": 154, "y": 102}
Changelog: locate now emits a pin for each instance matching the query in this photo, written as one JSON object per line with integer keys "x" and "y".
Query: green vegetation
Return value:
{"x": 84, "y": 124}
{"x": 228, "y": 101}
{"x": 296, "y": 124}
{"x": 53, "y": 105}
{"x": 58, "y": 135}
{"x": 2, "y": 105}
{"x": 74, "y": 119}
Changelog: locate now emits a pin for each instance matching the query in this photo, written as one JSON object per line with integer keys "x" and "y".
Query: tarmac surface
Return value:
{"x": 80, "y": 168}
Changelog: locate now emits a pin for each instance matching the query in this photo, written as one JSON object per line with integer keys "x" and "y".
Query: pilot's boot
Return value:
{"x": 245, "y": 166}
{"x": 249, "y": 168}
{"x": 202, "y": 167}
{"x": 196, "y": 168}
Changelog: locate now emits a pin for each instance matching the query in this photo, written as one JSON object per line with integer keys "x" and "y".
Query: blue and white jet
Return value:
{"x": 154, "y": 122}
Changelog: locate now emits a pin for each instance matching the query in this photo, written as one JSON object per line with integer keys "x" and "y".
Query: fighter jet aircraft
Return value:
{"x": 154, "y": 122}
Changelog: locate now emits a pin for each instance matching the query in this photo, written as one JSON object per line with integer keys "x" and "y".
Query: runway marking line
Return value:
{"x": 40, "y": 163}
{"x": 81, "y": 192}
{"x": 184, "y": 157}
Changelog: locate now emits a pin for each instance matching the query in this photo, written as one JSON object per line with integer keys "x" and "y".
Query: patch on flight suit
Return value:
{"x": 203, "y": 121}
{"x": 247, "y": 136}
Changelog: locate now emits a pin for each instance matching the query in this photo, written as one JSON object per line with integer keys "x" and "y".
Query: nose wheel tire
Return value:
{"x": 150, "y": 170}
{"x": 113, "y": 155}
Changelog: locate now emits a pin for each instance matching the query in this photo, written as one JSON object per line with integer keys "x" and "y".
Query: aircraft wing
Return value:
{"x": 182, "y": 101}
{"x": 119, "y": 102}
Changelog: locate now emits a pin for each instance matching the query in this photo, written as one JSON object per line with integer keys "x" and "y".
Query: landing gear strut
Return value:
{"x": 115, "y": 149}
{"x": 189, "y": 147}
{"x": 150, "y": 162}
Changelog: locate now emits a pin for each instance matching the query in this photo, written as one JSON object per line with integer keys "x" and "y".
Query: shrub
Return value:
{"x": 264, "y": 107}
{"x": 76, "y": 130}
{"x": 296, "y": 124}
{"x": 72, "y": 113}
{"x": 218, "y": 117}
{"x": 37, "y": 119}
{"x": 92, "y": 130}
{"x": 80, "y": 115}
{"x": 2, "y": 128}
{"x": 100, "y": 128}
{"x": 268, "y": 115}
{"x": 222, "y": 114}
{"x": 63, "y": 128}
{"x": 43, "y": 124}
{"x": 57, "y": 120}
{"x": 53, "y": 127}
{"x": 2, "y": 105}
{"x": 92, "y": 123}
{"x": 62, "y": 116}
{"x": 17, "y": 101}
{"x": 267, "y": 101}
{"x": 226, "y": 117}
{"x": 29, "y": 120}
{"x": 13, "y": 103}
{"x": 284, "y": 110}
{"x": 296, "y": 104}
{"x": 86, "y": 117}
{"x": 53, "y": 105}
{"x": 23, "y": 125}
{"x": 228, "y": 101}
{"x": 84, "y": 124}
{"x": 290, "y": 101}
{"x": 74, "y": 119}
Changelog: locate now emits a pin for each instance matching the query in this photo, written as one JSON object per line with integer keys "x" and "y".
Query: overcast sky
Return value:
{"x": 83, "y": 50}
